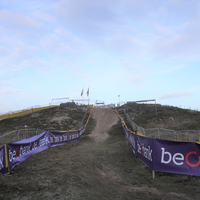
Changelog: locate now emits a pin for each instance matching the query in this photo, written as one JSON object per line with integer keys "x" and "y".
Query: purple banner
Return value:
{"x": 58, "y": 138}
{"x": 144, "y": 150}
{"x": 132, "y": 141}
{"x": 177, "y": 157}
{"x": 81, "y": 131}
{"x": 2, "y": 160}
{"x": 73, "y": 136}
{"x": 20, "y": 150}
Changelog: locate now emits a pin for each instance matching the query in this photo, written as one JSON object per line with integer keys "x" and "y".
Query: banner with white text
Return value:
{"x": 164, "y": 155}
{"x": 2, "y": 160}
{"x": 20, "y": 150}
{"x": 177, "y": 157}
{"x": 60, "y": 138}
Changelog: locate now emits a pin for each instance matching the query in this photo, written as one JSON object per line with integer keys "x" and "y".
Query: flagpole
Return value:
{"x": 88, "y": 93}
{"x": 83, "y": 95}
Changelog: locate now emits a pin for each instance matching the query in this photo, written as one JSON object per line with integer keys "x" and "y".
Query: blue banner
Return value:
{"x": 132, "y": 140}
{"x": 73, "y": 136}
{"x": 2, "y": 160}
{"x": 81, "y": 131}
{"x": 165, "y": 156}
{"x": 177, "y": 157}
{"x": 144, "y": 150}
{"x": 20, "y": 150}
{"x": 58, "y": 138}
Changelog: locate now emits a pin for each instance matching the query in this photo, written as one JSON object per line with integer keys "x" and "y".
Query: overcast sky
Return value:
{"x": 138, "y": 49}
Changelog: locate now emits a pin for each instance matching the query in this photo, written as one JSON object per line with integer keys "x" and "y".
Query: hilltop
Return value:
{"x": 56, "y": 118}
{"x": 168, "y": 117}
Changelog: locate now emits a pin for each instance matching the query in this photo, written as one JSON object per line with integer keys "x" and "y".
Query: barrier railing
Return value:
{"x": 25, "y": 111}
{"x": 188, "y": 135}
{"x": 82, "y": 122}
{"x": 165, "y": 134}
{"x": 13, "y": 153}
{"x": 162, "y": 154}
{"x": 19, "y": 135}
{"x": 29, "y": 132}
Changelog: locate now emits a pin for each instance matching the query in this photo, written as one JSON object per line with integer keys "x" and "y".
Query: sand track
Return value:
{"x": 105, "y": 119}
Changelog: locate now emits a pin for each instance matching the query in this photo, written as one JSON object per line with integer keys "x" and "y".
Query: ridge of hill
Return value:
{"x": 168, "y": 117}
{"x": 56, "y": 118}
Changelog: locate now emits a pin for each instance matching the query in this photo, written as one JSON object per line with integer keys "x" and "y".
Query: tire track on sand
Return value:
{"x": 105, "y": 119}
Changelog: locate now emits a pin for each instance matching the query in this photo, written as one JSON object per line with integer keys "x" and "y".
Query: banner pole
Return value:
{"x": 6, "y": 155}
{"x": 153, "y": 174}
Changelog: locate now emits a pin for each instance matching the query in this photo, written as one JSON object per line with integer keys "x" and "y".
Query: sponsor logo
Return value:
{"x": 145, "y": 151}
{"x": 58, "y": 138}
{"x": 22, "y": 150}
{"x": 73, "y": 136}
{"x": 191, "y": 158}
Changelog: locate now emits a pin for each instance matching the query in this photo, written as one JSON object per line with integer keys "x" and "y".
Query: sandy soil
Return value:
{"x": 105, "y": 119}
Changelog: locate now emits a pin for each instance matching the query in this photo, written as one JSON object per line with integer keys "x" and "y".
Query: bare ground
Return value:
{"x": 105, "y": 119}
{"x": 98, "y": 166}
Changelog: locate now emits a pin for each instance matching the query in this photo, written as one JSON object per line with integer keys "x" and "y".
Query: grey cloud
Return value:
{"x": 182, "y": 46}
{"x": 10, "y": 19}
{"x": 174, "y": 95}
{"x": 86, "y": 17}
{"x": 15, "y": 26}
{"x": 137, "y": 11}
{"x": 123, "y": 44}
{"x": 59, "y": 44}
{"x": 9, "y": 91}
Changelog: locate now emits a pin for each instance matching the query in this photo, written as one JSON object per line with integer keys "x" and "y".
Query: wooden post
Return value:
{"x": 153, "y": 174}
{"x": 6, "y": 156}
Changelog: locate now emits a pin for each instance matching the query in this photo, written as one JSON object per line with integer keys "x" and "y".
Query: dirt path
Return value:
{"x": 105, "y": 118}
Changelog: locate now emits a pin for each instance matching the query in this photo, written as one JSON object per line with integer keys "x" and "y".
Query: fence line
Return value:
{"x": 20, "y": 152}
{"x": 29, "y": 132}
{"x": 26, "y": 111}
{"x": 165, "y": 134}
{"x": 19, "y": 135}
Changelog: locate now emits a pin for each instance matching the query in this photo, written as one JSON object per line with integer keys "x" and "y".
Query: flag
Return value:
{"x": 82, "y": 93}
{"x": 88, "y": 92}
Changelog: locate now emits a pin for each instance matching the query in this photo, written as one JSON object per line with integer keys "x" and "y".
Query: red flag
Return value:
{"x": 82, "y": 93}
{"x": 88, "y": 92}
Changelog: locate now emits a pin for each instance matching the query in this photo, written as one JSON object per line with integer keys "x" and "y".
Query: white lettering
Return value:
{"x": 178, "y": 156}
{"x": 65, "y": 137}
{"x": 1, "y": 163}
{"x": 145, "y": 151}
{"x": 25, "y": 149}
{"x": 138, "y": 147}
{"x": 44, "y": 141}
{"x": 51, "y": 139}
{"x": 12, "y": 155}
{"x": 163, "y": 155}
